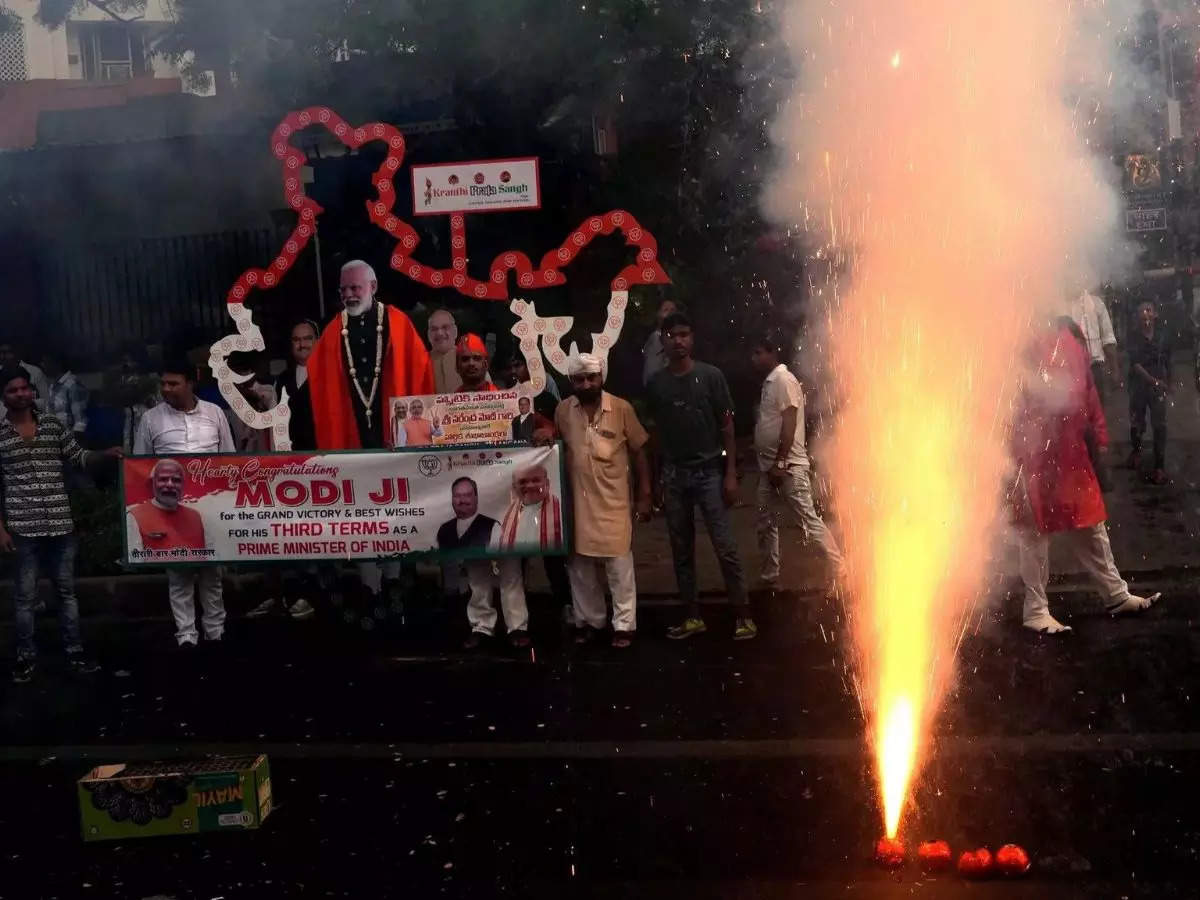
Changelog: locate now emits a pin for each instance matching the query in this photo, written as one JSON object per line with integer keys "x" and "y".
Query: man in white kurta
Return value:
{"x": 1091, "y": 315}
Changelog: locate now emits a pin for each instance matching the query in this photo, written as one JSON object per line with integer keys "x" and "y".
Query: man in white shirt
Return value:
{"x": 1091, "y": 315}
{"x": 185, "y": 424}
{"x": 783, "y": 462}
{"x": 67, "y": 398}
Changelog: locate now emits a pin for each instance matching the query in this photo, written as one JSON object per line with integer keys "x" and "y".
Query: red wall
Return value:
{"x": 22, "y": 101}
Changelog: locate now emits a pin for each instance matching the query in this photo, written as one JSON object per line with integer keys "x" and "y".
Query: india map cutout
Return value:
{"x": 531, "y": 329}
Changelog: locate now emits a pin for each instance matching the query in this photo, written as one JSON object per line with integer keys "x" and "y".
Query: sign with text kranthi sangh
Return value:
{"x": 477, "y": 501}
{"x": 489, "y": 185}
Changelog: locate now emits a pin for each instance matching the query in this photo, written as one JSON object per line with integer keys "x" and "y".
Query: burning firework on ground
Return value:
{"x": 933, "y": 160}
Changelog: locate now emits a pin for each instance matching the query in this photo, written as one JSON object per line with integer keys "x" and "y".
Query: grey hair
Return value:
{"x": 532, "y": 467}
{"x": 168, "y": 461}
{"x": 360, "y": 264}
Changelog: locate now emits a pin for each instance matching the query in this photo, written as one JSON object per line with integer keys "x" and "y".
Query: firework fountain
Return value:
{"x": 935, "y": 155}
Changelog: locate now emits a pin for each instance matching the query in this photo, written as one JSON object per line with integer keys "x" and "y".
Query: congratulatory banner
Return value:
{"x": 452, "y": 502}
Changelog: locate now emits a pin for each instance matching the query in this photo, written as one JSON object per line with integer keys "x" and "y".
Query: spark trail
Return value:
{"x": 933, "y": 153}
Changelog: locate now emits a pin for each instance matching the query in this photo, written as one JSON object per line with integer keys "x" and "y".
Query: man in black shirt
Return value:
{"x": 1149, "y": 384}
{"x": 693, "y": 417}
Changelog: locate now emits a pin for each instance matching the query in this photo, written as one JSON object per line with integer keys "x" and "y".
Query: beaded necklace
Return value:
{"x": 368, "y": 400}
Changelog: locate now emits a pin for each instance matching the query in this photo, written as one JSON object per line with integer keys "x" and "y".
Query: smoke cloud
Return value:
{"x": 940, "y": 157}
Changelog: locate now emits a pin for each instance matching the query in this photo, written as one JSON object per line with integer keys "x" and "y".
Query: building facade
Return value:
{"x": 91, "y": 46}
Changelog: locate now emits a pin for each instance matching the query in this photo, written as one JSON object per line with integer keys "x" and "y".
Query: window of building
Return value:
{"x": 12, "y": 54}
{"x": 111, "y": 52}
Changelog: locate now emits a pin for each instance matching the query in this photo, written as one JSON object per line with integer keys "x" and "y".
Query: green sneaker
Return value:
{"x": 745, "y": 630}
{"x": 689, "y": 628}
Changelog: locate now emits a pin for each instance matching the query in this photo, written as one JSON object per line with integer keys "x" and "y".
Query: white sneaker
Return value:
{"x": 302, "y": 609}
{"x": 1044, "y": 623}
{"x": 1134, "y": 604}
{"x": 264, "y": 608}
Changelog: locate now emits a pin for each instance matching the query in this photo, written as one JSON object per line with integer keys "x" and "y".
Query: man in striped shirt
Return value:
{"x": 36, "y": 522}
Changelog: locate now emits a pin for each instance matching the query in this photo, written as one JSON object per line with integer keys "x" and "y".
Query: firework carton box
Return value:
{"x": 131, "y": 800}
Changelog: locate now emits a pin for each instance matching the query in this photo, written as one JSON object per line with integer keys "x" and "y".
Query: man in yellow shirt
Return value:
{"x": 602, "y": 434}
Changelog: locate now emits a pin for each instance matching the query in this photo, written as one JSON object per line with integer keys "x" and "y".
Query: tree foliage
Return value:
{"x": 53, "y": 13}
{"x": 691, "y": 85}
{"x": 9, "y": 20}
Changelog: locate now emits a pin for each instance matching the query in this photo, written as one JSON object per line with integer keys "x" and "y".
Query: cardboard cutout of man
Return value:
{"x": 469, "y": 527}
{"x": 523, "y": 422}
{"x": 369, "y": 353}
{"x": 419, "y": 431}
{"x": 442, "y": 332}
{"x": 399, "y": 416}
{"x": 534, "y": 516}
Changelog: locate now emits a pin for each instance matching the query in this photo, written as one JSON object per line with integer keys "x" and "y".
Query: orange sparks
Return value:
{"x": 897, "y": 741}
{"x": 956, "y": 197}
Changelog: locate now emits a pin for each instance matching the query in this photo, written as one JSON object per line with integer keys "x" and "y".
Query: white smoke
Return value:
{"x": 1054, "y": 126}
{"x": 943, "y": 158}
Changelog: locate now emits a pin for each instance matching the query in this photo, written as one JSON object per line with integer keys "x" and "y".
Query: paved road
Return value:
{"x": 703, "y": 769}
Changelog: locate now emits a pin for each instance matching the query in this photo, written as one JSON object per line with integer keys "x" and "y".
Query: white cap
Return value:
{"x": 585, "y": 364}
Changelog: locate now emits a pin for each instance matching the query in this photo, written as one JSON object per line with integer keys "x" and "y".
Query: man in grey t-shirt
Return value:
{"x": 693, "y": 417}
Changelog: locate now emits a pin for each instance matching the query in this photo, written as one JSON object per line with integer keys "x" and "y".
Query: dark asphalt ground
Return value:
{"x": 403, "y": 767}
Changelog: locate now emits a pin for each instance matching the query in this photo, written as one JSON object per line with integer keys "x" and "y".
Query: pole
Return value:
{"x": 1179, "y": 193}
{"x": 320, "y": 277}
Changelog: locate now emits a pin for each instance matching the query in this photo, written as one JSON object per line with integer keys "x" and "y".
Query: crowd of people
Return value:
{"x": 619, "y": 469}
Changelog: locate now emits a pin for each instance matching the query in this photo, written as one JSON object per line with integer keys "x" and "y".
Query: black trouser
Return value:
{"x": 1098, "y": 375}
{"x": 1143, "y": 398}
{"x": 556, "y": 574}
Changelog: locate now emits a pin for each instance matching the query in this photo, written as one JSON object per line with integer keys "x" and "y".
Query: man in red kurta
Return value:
{"x": 367, "y": 355}
{"x": 1057, "y": 490}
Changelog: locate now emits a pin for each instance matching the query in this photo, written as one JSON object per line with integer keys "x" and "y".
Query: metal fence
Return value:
{"x": 96, "y": 297}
